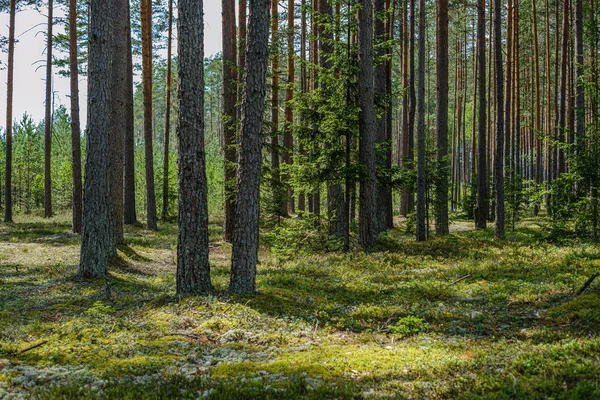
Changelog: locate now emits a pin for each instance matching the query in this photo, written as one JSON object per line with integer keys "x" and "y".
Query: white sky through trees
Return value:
{"x": 29, "y": 85}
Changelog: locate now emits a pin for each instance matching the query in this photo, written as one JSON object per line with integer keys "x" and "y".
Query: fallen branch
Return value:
{"x": 587, "y": 284}
{"x": 460, "y": 279}
{"x": 32, "y": 347}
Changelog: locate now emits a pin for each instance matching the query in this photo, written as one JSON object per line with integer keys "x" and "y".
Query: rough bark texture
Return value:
{"x": 146, "y": 19}
{"x": 230, "y": 90}
{"x": 119, "y": 114}
{"x": 9, "y": 106}
{"x": 579, "y": 94}
{"x": 421, "y": 230}
{"x": 48, "y": 119}
{"x": 193, "y": 270}
{"x": 75, "y": 121}
{"x": 499, "y": 118}
{"x": 412, "y": 101}
{"x": 482, "y": 175}
{"x": 367, "y": 221}
{"x": 303, "y": 82}
{"x": 288, "y": 139}
{"x": 97, "y": 244}
{"x": 167, "y": 137}
{"x": 279, "y": 206}
{"x": 562, "y": 112}
{"x": 245, "y": 235}
{"x": 441, "y": 192}
{"x": 130, "y": 215}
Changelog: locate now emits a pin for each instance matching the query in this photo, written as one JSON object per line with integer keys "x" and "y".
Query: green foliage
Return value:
{"x": 408, "y": 326}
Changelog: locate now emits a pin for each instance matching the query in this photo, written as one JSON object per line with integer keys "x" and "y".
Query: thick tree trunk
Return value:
{"x": 230, "y": 92}
{"x": 166, "y": 150}
{"x": 421, "y": 230}
{"x": 245, "y": 237}
{"x": 367, "y": 220}
{"x": 147, "y": 71}
{"x": 482, "y": 173}
{"x": 193, "y": 269}
{"x": 48, "y": 119}
{"x": 75, "y": 121}
{"x": 8, "y": 209}
{"x": 499, "y": 118}
{"x": 441, "y": 223}
{"x": 130, "y": 215}
{"x": 97, "y": 240}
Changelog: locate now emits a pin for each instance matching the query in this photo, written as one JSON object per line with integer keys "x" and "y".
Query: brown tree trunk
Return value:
{"x": 537, "y": 125}
{"x": 230, "y": 93}
{"x": 303, "y": 82}
{"x": 579, "y": 96}
{"x": 279, "y": 207}
{"x": 288, "y": 139}
{"x": 75, "y": 121}
{"x": 147, "y": 71}
{"x": 193, "y": 269}
{"x": 367, "y": 221}
{"x": 245, "y": 237}
{"x": 412, "y": 102}
{"x": 48, "y": 119}
{"x": 499, "y": 118}
{"x": 441, "y": 223}
{"x": 8, "y": 209}
{"x": 404, "y": 153}
{"x": 562, "y": 113}
{"x": 482, "y": 173}
{"x": 130, "y": 215}
{"x": 166, "y": 150}
{"x": 421, "y": 229}
{"x": 97, "y": 237}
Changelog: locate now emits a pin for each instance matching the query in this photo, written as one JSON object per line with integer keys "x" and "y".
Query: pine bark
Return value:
{"x": 245, "y": 237}
{"x": 288, "y": 139}
{"x": 279, "y": 207}
{"x": 230, "y": 90}
{"x": 421, "y": 228}
{"x": 97, "y": 240}
{"x": 8, "y": 206}
{"x": 579, "y": 91}
{"x": 499, "y": 118}
{"x": 367, "y": 221}
{"x": 441, "y": 223}
{"x": 193, "y": 269}
{"x": 75, "y": 119}
{"x": 167, "y": 134}
{"x": 482, "y": 175}
{"x": 130, "y": 214}
{"x": 48, "y": 118}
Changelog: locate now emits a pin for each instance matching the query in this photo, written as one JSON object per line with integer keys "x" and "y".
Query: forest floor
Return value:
{"x": 462, "y": 316}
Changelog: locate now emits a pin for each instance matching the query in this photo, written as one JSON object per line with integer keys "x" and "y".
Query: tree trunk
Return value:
{"x": 48, "y": 119}
{"x": 147, "y": 71}
{"x": 499, "y": 118}
{"x": 579, "y": 95}
{"x": 367, "y": 223}
{"x": 288, "y": 139}
{"x": 130, "y": 215}
{"x": 230, "y": 91}
{"x": 412, "y": 101}
{"x": 245, "y": 237}
{"x": 562, "y": 114}
{"x": 482, "y": 173}
{"x": 279, "y": 207}
{"x": 75, "y": 122}
{"x": 537, "y": 125}
{"x": 421, "y": 230}
{"x": 193, "y": 269}
{"x": 97, "y": 240}
{"x": 441, "y": 224}
{"x": 8, "y": 209}
{"x": 303, "y": 82}
{"x": 165, "y": 205}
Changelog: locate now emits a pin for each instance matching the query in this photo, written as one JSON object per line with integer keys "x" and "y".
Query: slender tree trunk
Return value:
{"x": 279, "y": 207}
{"x": 8, "y": 209}
{"x": 245, "y": 237}
{"x": 303, "y": 82}
{"x": 48, "y": 119}
{"x": 562, "y": 113}
{"x": 230, "y": 93}
{"x": 538, "y": 110}
{"x": 549, "y": 129}
{"x": 165, "y": 205}
{"x": 130, "y": 215}
{"x": 482, "y": 173}
{"x": 193, "y": 269}
{"x": 97, "y": 237}
{"x": 412, "y": 101}
{"x": 147, "y": 71}
{"x": 288, "y": 139}
{"x": 499, "y": 118}
{"x": 366, "y": 97}
{"x": 579, "y": 96}
{"x": 421, "y": 230}
{"x": 442, "y": 120}
{"x": 75, "y": 122}
{"x": 405, "y": 194}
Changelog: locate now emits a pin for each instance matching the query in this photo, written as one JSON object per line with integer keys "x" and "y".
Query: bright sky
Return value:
{"x": 29, "y": 89}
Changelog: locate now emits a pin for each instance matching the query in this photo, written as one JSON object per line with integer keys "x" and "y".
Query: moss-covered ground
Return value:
{"x": 457, "y": 317}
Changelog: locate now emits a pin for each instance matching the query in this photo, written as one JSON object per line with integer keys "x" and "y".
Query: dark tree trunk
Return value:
{"x": 279, "y": 207}
{"x": 380, "y": 89}
{"x": 303, "y": 81}
{"x": 147, "y": 70}
{"x": 8, "y": 209}
{"x": 166, "y": 150}
{"x": 579, "y": 94}
{"x": 288, "y": 139}
{"x": 75, "y": 121}
{"x": 421, "y": 229}
{"x": 97, "y": 240}
{"x": 119, "y": 114}
{"x": 48, "y": 120}
{"x": 412, "y": 100}
{"x": 441, "y": 223}
{"x": 193, "y": 269}
{"x": 367, "y": 224}
{"x": 130, "y": 215}
{"x": 245, "y": 236}
{"x": 482, "y": 173}
{"x": 499, "y": 118}
{"x": 230, "y": 90}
